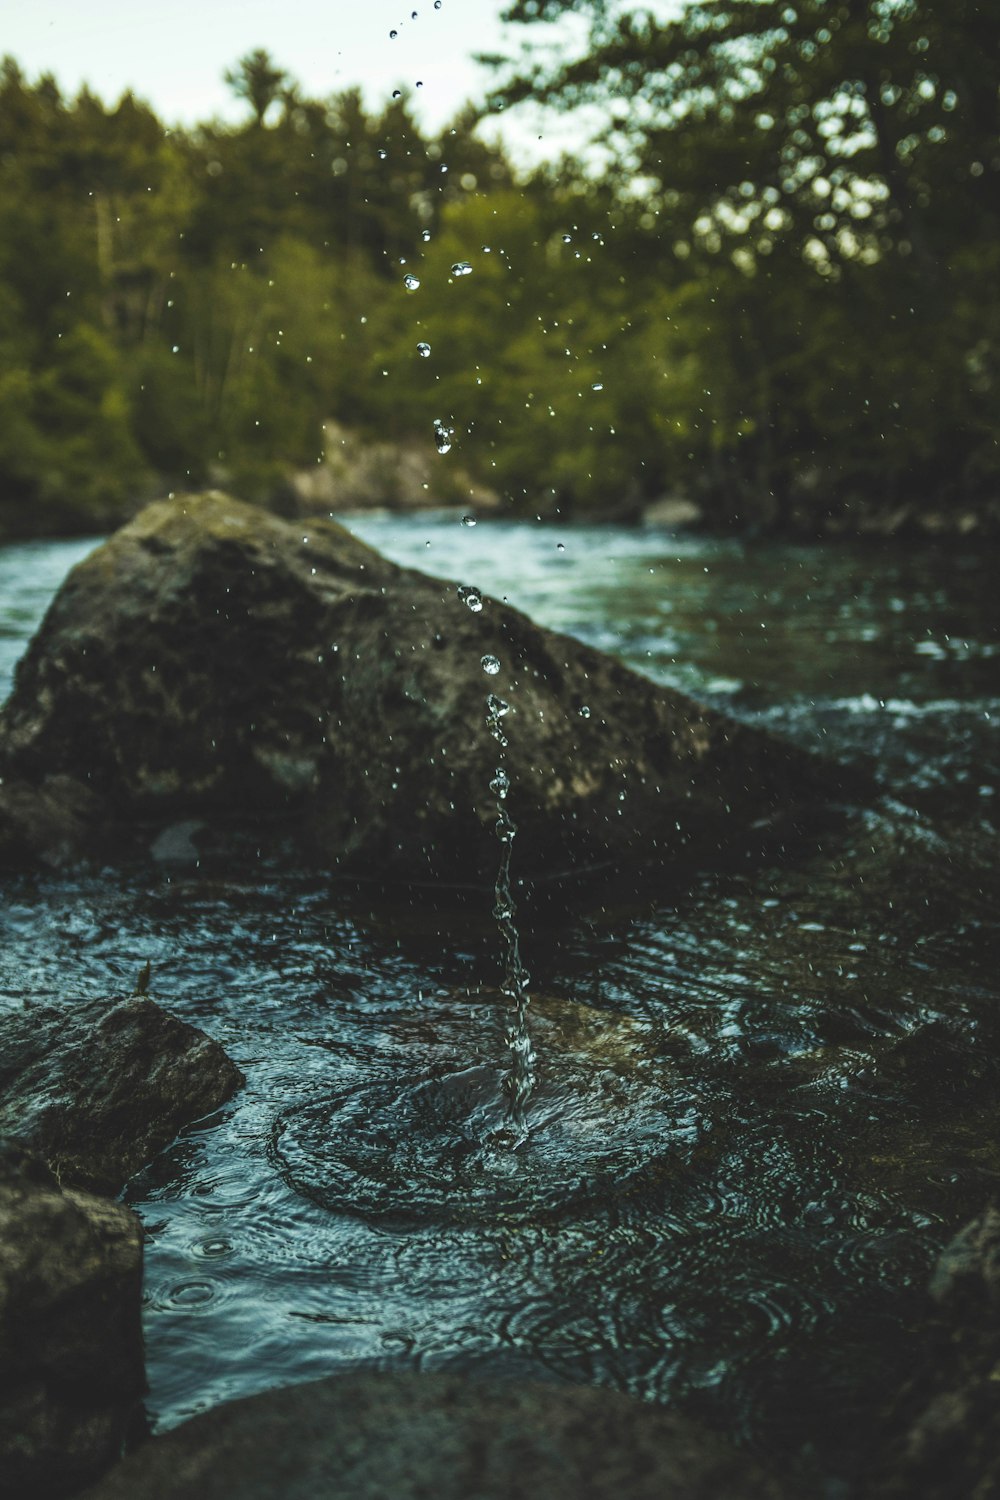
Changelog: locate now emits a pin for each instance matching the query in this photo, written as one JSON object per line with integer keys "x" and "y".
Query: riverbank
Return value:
{"x": 907, "y": 521}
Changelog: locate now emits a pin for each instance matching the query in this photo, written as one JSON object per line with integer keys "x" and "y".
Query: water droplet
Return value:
{"x": 411, "y": 282}
{"x": 491, "y": 664}
{"x": 468, "y": 520}
{"x": 500, "y": 784}
{"x": 585, "y": 712}
{"x": 437, "y": 4}
{"x": 497, "y": 707}
{"x": 560, "y": 546}
{"x": 470, "y": 597}
{"x": 442, "y": 436}
{"x": 567, "y": 239}
{"x": 176, "y": 349}
{"x": 397, "y": 93}
{"x": 598, "y": 385}
{"x": 461, "y": 268}
{"x": 382, "y": 153}
{"x": 424, "y": 350}
{"x": 425, "y": 235}
{"x": 393, "y": 35}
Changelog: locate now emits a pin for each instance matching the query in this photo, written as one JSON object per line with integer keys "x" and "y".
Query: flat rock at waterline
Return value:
{"x": 212, "y": 662}
{"x": 400, "y": 1437}
{"x": 71, "y": 1368}
{"x": 97, "y": 1088}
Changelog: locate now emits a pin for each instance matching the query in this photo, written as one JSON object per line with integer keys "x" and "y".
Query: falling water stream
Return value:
{"x": 761, "y": 1102}
{"x": 520, "y": 1077}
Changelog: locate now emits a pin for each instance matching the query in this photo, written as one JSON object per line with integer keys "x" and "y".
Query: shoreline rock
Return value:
{"x": 360, "y": 474}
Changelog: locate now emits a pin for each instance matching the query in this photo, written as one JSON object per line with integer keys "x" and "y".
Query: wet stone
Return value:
{"x": 941, "y": 1435}
{"x": 372, "y": 1436}
{"x": 97, "y": 1087}
{"x": 208, "y": 666}
{"x": 71, "y": 1367}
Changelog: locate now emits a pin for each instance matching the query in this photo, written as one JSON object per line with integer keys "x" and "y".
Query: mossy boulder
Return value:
{"x": 71, "y": 1363}
{"x": 216, "y": 663}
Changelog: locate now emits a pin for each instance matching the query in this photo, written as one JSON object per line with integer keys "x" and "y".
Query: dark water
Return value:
{"x": 760, "y": 1108}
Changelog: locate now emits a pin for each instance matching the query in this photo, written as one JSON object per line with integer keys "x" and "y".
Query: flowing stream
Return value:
{"x": 759, "y": 1105}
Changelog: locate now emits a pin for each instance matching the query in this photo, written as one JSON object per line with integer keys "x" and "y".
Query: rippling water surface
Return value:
{"x": 761, "y": 1107}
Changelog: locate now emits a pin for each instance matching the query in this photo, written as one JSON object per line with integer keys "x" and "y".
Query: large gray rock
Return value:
{"x": 96, "y": 1088}
{"x": 400, "y": 1437}
{"x": 71, "y": 1368}
{"x": 213, "y": 662}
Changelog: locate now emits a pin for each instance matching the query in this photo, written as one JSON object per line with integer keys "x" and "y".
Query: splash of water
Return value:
{"x": 519, "y": 1080}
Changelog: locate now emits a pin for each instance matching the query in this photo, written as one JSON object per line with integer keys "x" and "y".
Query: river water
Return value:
{"x": 788, "y": 1071}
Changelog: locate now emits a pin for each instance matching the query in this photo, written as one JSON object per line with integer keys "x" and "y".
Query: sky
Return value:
{"x": 173, "y": 53}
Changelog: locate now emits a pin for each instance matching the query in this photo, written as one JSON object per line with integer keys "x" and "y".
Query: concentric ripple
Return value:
{"x": 439, "y": 1149}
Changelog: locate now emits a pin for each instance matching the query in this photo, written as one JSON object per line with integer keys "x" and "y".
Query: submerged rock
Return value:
{"x": 71, "y": 1367}
{"x": 448, "y": 1436}
{"x": 212, "y": 662}
{"x": 98, "y": 1088}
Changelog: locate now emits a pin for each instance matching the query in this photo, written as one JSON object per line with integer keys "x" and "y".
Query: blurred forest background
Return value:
{"x": 767, "y": 284}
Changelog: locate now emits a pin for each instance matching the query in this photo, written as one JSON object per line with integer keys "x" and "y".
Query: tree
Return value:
{"x": 257, "y": 79}
{"x": 858, "y": 127}
{"x": 779, "y": 145}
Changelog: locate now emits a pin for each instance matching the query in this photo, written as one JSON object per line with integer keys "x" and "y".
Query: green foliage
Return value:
{"x": 776, "y": 296}
{"x": 182, "y": 306}
{"x": 827, "y": 172}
